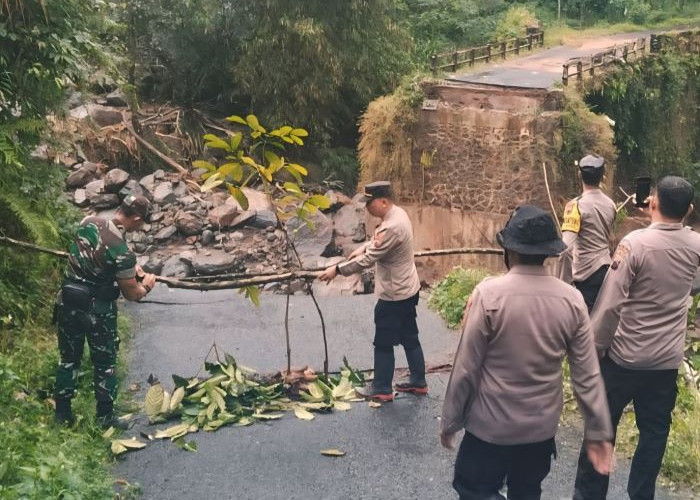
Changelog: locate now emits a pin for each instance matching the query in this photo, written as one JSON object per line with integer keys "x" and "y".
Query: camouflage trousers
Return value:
{"x": 99, "y": 327}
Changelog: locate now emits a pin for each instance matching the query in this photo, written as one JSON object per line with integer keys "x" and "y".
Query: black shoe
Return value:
{"x": 108, "y": 421}
{"x": 64, "y": 413}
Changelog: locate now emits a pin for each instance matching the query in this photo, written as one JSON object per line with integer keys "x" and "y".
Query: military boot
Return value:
{"x": 106, "y": 418}
{"x": 64, "y": 413}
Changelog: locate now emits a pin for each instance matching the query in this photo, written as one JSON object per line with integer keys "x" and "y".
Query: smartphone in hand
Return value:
{"x": 642, "y": 190}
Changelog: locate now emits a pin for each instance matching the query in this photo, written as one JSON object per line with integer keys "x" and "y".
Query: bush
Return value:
{"x": 514, "y": 22}
{"x": 450, "y": 295}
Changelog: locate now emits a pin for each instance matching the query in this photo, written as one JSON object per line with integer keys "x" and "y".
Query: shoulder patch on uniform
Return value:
{"x": 621, "y": 253}
{"x": 379, "y": 235}
{"x": 572, "y": 217}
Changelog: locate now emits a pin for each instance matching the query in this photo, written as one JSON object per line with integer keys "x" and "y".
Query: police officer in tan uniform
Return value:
{"x": 506, "y": 384}
{"x": 396, "y": 286}
{"x": 639, "y": 323}
{"x": 588, "y": 222}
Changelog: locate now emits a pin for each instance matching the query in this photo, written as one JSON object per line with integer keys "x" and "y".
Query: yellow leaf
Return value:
{"x": 132, "y": 444}
{"x": 108, "y": 433}
{"x": 235, "y": 170}
{"x": 211, "y": 182}
{"x": 216, "y": 142}
{"x": 236, "y": 140}
{"x": 268, "y": 416}
{"x": 298, "y": 168}
{"x": 204, "y": 164}
{"x": 320, "y": 201}
{"x": 303, "y": 414}
{"x": 236, "y": 119}
{"x": 154, "y": 400}
{"x": 292, "y": 187}
{"x": 297, "y": 140}
{"x": 253, "y": 123}
{"x": 300, "y": 132}
{"x": 117, "y": 447}
{"x": 315, "y": 390}
{"x": 341, "y": 406}
{"x": 374, "y": 404}
{"x": 333, "y": 453}
{"x": 177, "y": 398}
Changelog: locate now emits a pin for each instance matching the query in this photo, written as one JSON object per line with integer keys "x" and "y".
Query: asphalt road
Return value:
{"x": 392, "y": 452}
{"x": 542, "y": 69}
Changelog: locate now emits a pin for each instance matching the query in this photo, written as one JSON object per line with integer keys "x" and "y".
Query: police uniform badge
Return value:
{"x": 621, "y": 253}
{"x": 572, "y": 217}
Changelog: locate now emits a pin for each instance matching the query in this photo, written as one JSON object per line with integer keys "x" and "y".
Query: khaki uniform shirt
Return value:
{"x": 640, "y": 317}
{"x": 588, "y": 222}
{"x": 506, "y": 382}
{"x": 391, "y": 249}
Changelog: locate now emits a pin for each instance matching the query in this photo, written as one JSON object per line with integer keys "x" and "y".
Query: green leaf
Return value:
{"x": 187, "y": 446}
{"x": 320, "y": 201}
{"x": 204, "y": 164}
{"x": 238, "y": 195}
{"x": 216, "y": 142}
{"x": 292, "y": 187}
{"x": 235, "y": 170}
{"x": 154, "y": 400}
{"x": 298, "y": 168}
{"x": 213, "y": 181}
{"x": 252, "y": 293}
{"x": 236, "y": 119}
{"x": 236, "y": 140}
{"x": 300, "y": 132}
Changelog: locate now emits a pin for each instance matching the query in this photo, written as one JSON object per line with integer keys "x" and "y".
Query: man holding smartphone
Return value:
{"x": 588, "y": 222}
{"x": 640, "y": 324}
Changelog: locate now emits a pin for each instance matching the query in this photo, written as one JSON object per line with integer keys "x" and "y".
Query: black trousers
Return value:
{"x": 653, "y": 394}
{"x": 482, "y": 468}
{"x": 590, "y": 287}
{"x": 395, "y": 323}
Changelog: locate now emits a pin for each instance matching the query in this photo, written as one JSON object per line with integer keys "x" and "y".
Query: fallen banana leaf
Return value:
{"x": 303, "y": 414}
{"x": 120, "y": 446}
{"x": 374, "y": 404}
{"x": 341, "y": 406}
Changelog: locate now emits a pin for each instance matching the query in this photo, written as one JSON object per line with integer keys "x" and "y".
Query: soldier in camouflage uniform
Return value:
{"x": 100, "y": 267}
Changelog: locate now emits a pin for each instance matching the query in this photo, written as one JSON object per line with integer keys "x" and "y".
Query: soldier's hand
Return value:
{"x": 149, "y": 280}
{"x": 448, "y": 440}
{"x": 328, "y": 275}
{"x": 601, "y": 455}
{"x": 139, "y": 271}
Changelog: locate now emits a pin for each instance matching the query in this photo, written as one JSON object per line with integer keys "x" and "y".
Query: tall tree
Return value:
{"x": 318, "y": 63}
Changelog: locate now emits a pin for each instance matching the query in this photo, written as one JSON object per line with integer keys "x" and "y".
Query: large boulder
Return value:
{"x": 115, "y": 179}
{"x": 164, "y": 193}
{"x": 94, "y": 189}
{"x": 216, "y": 262}
{"x": 165, "y": 233}
{"x": 148, "y": 182}
{"x": 116, "y": 99}
{"x": 256, "y": 200}
{"x": 102, "y": 116}
{"x": 188, "y": 223}
{"x": 223, "y": 216}
{"x": 175, "y": 267}
{"x": 348, "y": 219}
{"x": 311, "y": 242}
{"x": 80, "y": 198}
{"x": 87, "y": 172}
{"x": 338, "y": 200}
{"x": 132, "y": 187}
{"x": 104, "y": 201}
{"x": 260, "y": 213}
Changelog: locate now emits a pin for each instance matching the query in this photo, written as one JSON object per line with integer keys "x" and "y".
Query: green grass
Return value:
{"x": 40, "y": 459}
{"x": 450, "y": 295}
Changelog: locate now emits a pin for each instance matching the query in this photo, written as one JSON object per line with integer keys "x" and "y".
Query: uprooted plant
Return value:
{"x": 255, "y": 156}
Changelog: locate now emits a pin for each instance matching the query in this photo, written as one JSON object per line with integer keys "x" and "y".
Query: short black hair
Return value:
{"x": 531, "y": 260}
{"x": 675, "y": 195}
{"x": 592, "y": 177}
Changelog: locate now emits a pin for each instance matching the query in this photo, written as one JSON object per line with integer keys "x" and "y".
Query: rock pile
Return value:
{"x": 194, "y": 233}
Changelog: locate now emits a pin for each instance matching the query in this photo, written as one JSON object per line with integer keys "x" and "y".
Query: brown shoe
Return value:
{"x": 421, "y": 390}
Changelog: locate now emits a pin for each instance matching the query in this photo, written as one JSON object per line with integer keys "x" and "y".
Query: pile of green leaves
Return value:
{"x": 450, "y": 296}
{"x": 233, "y": 394}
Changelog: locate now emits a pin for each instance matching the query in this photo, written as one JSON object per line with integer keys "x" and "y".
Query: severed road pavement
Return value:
{"x": 393, "y": 452}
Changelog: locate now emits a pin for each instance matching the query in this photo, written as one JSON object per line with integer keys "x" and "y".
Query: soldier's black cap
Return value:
{"x": 374, "y": 190}
{"x": 139, "y": 205}
{"x": 591, "y": 162}
{"x": 531, "y": 231}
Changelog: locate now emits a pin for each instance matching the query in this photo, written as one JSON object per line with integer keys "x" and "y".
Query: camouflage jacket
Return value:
{"x": 99, "y": 255}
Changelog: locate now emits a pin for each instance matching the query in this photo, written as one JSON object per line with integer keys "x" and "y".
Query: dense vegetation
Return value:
{"x": 316, "y": 63}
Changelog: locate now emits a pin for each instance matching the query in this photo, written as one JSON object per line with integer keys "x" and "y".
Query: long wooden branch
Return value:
{"x": 241, "y": 281}
{"x": 169, "y": 161}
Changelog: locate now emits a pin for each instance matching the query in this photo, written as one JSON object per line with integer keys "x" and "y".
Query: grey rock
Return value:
{"x": 237, "y": 236}
{"x": 176, "y": 268}
{"x": 159, "y": 174}
{"x": 104, "y": 116}
{"x": 116, "y": 99}
{"x": 188, "y": 201}
{"x": 153, "y": 265}
{"x": 338, "y": 200}
{"x": 163, "y": 193}
{"x": 105, "y": 200}
{"x": 256, "y": 200}
{"x": 361, "y": 234}
{"x": 157, "y": 217}
{"x": 87, "y": 172}
{"x": 311, "y": 243}
{"x": 115, "y": 179}
{"x": 223, "y": 216}
{"x": 94, "y": 189}
{"x": 80, "y": 198}
{"x": 258, "y": 220}
{"x": 140, "y": 247}
{"x": 207, "y": 237}
{"x": 187, "y": 223}
{"x": 137, "y": 236}
{"x": 146, "y": 227}
{"x": 148, "y": 182}
{"x": 180, "y": 189}
{"x": 132, "y": 187}
{"x": 347, "y": 220}
{"x": 216, "y": 263}
{"x": 165, "y": 233}
{"x": 197, "y": 173}
{"x": 271, "y": 237}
